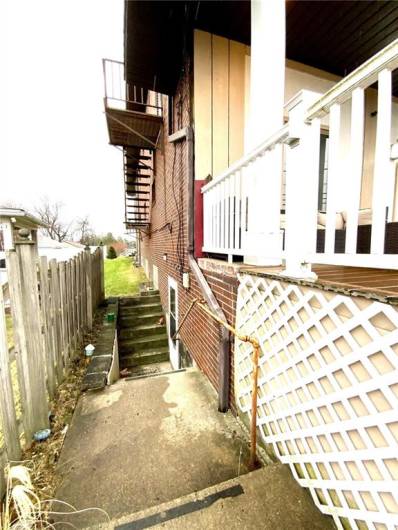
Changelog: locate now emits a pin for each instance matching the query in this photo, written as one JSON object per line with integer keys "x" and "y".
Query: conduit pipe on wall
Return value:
{"x": 255, "y": 358}
{"x": 223, "y": 356}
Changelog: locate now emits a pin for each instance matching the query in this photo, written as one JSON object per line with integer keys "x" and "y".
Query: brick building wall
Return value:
{"x": 168, "y": 237}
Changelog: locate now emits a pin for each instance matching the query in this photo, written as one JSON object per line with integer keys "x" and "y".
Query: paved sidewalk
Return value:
{"x": 140, "y": 443}
{"x": 153, "y": 447}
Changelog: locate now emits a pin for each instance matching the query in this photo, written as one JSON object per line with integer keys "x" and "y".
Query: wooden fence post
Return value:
{"x": 64, "y": 313}
{"x": 74, "y": 305}
{"x": 68, "y": 283}
{"x": 89, "y": 287}
{"x": 9, "y": 425}
{"x": 45, "y": 303}
{"x": 26, "y": 317}
{"x": 102, "y": 275}
{"x": 57, "y": 320}
{"x": 81, "y": 294}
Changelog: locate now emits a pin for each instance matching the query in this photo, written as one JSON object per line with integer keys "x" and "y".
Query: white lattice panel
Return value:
{"x": 328, "y": 394}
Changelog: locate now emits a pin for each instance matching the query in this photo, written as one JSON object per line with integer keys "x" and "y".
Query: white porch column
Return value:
{"x": 263, "y": 242}
{"x": 302, "y": 174}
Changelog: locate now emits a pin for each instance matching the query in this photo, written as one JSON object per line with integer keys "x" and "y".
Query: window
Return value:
{"x": 2, "y": 263}
{"x": 173, "y": 313}
{"x": 172, "y": 321}
{"x": 1, "y": 240}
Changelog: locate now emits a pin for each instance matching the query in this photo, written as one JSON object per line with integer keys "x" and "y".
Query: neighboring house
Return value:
{"x": 59, "y": 250}
{"x": 261, "y": 176}
{"x": 12, "y": 220}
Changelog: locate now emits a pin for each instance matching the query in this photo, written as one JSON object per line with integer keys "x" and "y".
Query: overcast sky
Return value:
{"x": 56, "y": 141}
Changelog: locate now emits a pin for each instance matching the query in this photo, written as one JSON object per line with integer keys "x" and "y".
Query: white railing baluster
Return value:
{"x": 215, "y": 236}
{"x": 205, "y": 216}
{"x": 383, "y": 176}
{"x": 333, "y": 177}
{"x": 226, "y": 212}
{"x": 235, "y": 241}
{"x": 214, "y": 203}
{"x": 244, "y": 207}
{"x": 222, "y": 214}
{"x": 354, "y": 178}
{"x": 219, "y": 197}
{"x": 230, "y": 211}
{"x": 237, "y": 210}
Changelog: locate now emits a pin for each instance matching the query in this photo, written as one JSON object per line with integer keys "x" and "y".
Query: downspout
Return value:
{"x": 223, "y": 355}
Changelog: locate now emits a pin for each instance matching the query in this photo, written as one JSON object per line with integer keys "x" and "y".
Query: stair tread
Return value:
{"x": 140, "y": 299}
{"x": 133, "y": 306}
{"x": 143, "y": 358}
{"x": 148, "y": 327}
{"x": 148, "y": 315}
{"x": 147, "y": 353}
{"x": 158, "y": 349}
{"x": 144, "y": 340}
{"x": 156, "y": 368}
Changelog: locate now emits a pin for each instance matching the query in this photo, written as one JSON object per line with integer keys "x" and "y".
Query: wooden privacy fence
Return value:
{"x": 52, "y": 305}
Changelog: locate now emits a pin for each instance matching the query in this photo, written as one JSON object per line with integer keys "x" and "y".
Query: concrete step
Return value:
{"x": 150, "y": 292}
{"x": 140, "y": 320}
{"x": 138, "y": 300}
{"x": 142, "y": 358}
{"x": 130, "y": 346}
{"x": 140, "y": 309}
{"x": 150, "y": 370}
{"x": 268, "y": 498}
{"x": 146, "y": 330}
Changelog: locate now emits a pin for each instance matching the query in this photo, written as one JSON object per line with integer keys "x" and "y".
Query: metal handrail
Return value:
{"x": 117, "y": 89}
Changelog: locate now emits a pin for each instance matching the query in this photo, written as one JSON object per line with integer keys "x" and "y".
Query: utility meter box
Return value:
{"x": 185, "y": 280}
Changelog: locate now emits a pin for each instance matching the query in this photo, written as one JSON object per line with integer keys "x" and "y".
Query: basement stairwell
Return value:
{"x": 143, "y": 342}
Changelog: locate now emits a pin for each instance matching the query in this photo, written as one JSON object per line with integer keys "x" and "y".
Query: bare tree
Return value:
{"x": 84, "y": 231}
{"x": 50, "y": 214}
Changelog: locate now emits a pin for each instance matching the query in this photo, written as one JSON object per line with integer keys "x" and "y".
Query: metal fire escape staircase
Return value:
{"x": 134, "y": 120}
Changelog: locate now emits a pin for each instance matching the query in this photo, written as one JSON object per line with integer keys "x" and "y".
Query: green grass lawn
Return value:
{"x": 122, "y": 278}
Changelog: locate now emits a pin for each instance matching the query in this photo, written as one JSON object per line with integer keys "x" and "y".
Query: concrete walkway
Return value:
{"x": 140, "y": 444}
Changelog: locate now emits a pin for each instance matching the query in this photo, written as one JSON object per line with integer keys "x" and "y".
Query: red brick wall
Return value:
{"x": 168, "y": 234}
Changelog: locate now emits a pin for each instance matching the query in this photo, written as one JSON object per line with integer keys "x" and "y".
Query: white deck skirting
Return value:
{"x": 328, "y": 393}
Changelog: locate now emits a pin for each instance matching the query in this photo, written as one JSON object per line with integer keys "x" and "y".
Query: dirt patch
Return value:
{"x": 43, "y": 456}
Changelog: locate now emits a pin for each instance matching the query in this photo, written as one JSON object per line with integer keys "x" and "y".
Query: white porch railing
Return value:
{"x": 226, "y": 201}
{"x": 347, "y": 155}
{"x": 361, "y": 173}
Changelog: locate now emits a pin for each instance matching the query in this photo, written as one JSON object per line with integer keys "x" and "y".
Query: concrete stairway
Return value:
{"x": 142, "y": 334}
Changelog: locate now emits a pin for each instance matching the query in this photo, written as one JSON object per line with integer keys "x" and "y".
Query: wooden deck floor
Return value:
{"x": 381, "y": 283}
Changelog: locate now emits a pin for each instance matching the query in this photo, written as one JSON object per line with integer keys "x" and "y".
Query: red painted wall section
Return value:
{"x": 198, "y": 219}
